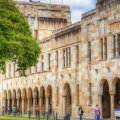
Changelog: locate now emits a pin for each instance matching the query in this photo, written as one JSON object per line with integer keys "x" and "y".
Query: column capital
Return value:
{"x": 112, "y": 92}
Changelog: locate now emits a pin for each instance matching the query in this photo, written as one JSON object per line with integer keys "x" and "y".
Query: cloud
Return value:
{"x": 78, "y": 7}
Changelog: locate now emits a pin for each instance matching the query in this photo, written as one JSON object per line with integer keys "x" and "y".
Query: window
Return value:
{"x": 116, "y": 45}
{"x": 90, "y": 90}
{"x": 14, "y": 69}
{"x": 67, "y": 57}
{"x": 77, "y": 57}
{"x": 9, "y": 70}
{"x": 36, "y": 69}
{"x": 103, "y": 47}
{"x": 42, "y": 63}
{"x": 89, "y": 51}
{"x": 77, "y": 95}
{"x": 56, "y": 59}
{"x": 36, "y": 34}
{"x": 49, "y": 65}
{"x": 57, "y": 96}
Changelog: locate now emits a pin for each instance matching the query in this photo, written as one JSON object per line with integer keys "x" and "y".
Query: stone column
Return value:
{"x": 18, "y": 102}
{"x": 28, "y": 104}
{"x": 40, "y": 103}
{"x": 34, "y": 105}
{"x": 13, "y": 101}
{"x": 47, "y": 103}
{"x": 100, "y": 103}
{"x": 8, "y": 100}
{"x": 34, "y": 101}
{"x": 112, "y": 104}
{"x": 23, "y": 105}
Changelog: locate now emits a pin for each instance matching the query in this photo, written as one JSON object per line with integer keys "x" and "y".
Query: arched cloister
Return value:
{"x": 67, "y": 101}
{"x": 42, "y": 99}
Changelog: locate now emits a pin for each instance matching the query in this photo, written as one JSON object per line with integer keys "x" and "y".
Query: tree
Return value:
{"x": 16, "y": 42}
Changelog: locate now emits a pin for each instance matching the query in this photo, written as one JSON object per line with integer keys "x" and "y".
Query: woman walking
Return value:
{"x": 97, "y": 113}
{"x": 80, "y": 112}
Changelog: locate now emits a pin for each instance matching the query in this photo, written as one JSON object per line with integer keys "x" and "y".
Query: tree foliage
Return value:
{"x": 16, "y": 42}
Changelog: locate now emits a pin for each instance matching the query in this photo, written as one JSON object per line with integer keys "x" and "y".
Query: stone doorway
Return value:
{"x": 68, "y": 101}
{"x": 106, "y": 109}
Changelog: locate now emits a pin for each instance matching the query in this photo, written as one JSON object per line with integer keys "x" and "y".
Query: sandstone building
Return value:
{"x": 79, "y": 64}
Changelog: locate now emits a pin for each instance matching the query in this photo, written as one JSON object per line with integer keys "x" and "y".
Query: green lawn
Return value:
{"x": 17, "y": 118}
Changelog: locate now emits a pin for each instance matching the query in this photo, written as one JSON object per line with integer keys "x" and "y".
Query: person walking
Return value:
{"x": 97, "y": 113}
{"x": 80, "y": 112}
{"x": 9, "y": 110}
{"x": 14, "y": 110}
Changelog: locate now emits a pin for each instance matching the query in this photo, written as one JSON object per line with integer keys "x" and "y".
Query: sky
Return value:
{"x": 78, "y": 7}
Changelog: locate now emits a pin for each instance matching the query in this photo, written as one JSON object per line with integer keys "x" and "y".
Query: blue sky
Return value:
{"x": 77, "y": 6}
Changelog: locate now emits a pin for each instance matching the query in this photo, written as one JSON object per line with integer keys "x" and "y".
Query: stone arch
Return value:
{"x": 42, "y": 98}
{"x": 100, "y": 86}
{"x": 67, "y": 98}
{"x": 113, "y": 84}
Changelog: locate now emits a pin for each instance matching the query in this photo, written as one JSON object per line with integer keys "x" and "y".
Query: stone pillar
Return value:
{"x": 28, "y": 104}
{"x": 100, "y": 103}
{"x": 34, "y": 101}
{"x": 112, "y": 104}
{"x": 18, "y": 103}
{"x": 34, "y": 105}
{"x": 13, "y": 101}
{"x": 40, "y": 103}
{"x": 8, "y": 100}
{"x": 23, "y": 105}
{"x": 47, "y": 103}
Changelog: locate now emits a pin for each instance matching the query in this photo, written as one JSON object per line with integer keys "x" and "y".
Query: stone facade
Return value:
{"x": 79, "y": 64}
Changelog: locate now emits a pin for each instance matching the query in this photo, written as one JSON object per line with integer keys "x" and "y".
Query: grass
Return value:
{"x": 17, "y": 118}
